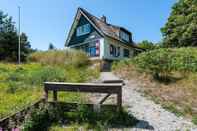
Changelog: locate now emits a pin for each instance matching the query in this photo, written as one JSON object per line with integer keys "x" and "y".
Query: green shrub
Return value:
{"x": 122, "y": 63}
{"x": 60, "y": 57}
{"x": 38, "y": 120}
{"x": 162, "y": 62}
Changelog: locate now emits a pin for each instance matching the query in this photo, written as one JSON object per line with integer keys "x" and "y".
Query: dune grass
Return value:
{"x": 21, "y": 85}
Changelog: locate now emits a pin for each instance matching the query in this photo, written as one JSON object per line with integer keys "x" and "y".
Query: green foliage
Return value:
{"x": 194, "y": 120}
{"x": 103, "y": 119}
{"x": 181, "y": 28}
{"x": 41, "y": 119}
{"x": 122, "y": 63}
{"x": 176, "y": 70}
{"x": 48, "y": 73}
{"x": 9, "y": 40}
{"x": 162, "y": 62}
{"x": 21, "y": 85}
{"x": 38, "y": 120}
{"x": 148, "y": 45}
{"x": 60, "y": 57}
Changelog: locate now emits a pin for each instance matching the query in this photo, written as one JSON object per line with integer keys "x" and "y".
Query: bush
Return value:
{"x": 38, "y": 120}
{"x": 122, "y": 63}
{"x": 60, "y": 57}
{"x": 162, "y": 62}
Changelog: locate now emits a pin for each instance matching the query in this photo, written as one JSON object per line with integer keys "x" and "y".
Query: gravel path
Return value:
{"x": 152, "y": 116}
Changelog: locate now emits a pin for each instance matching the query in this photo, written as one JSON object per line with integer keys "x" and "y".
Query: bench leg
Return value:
{"x": 46, "y": 95}
{"x": 119, "y": 99}
{"x": 55, "y": 96}
{"x": 103, "y": 100}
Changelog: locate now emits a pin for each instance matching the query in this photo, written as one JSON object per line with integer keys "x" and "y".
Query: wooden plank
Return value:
{"x": 114, "y": 81}
{"x": 67, "y": 83}
{"x": 83, "y": 87}
{"x": 103, "y": 100}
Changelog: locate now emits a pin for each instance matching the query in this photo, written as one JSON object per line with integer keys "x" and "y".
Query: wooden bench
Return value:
{"x": 108, "y": 88}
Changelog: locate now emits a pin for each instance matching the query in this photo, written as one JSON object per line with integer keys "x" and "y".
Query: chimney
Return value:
{"x": 104, "y": 19}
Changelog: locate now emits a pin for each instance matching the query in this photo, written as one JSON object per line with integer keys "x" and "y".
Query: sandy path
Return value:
{"x": 152, "y": 116}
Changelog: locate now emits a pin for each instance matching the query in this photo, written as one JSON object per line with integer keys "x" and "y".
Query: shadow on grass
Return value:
{"x": 166, "y": 79}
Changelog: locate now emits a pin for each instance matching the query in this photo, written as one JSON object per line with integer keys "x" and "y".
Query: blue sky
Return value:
{"x": 46, "y": 21}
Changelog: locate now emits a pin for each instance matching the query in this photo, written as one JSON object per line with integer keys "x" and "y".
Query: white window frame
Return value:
{"x": 83, "y": 30}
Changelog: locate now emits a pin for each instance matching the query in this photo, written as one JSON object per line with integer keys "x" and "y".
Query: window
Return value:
{"x": 84, "y": 29}
{"x": 114, "y": 51}
{"x": 92, "y": 48}
{"x": 118, "y": 52}
{"x": 124, "y": 36}
{"x": 126, "y": 53}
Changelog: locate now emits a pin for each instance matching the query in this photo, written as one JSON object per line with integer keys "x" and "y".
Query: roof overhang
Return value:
{"x": 75, "y": 22}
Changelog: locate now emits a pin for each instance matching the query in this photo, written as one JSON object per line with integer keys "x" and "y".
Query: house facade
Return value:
{"x": 99, "y": 39}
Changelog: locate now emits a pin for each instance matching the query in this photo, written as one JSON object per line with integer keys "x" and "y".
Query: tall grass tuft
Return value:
{"x": 67, "y": 57}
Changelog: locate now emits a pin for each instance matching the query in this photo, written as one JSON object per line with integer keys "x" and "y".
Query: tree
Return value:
{"x": 181, "y": 28}
{"x": 148, "y": 45}
{"x": 51, "y": 46}
{"x": 9, "y": 40}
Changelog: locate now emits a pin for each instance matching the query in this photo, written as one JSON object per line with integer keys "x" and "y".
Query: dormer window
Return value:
{"x": 83, "y": 30}
{"x": 124, "y": 36}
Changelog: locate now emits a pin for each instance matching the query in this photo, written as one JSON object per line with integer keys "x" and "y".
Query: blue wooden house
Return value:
{"x": 100, "y": 39}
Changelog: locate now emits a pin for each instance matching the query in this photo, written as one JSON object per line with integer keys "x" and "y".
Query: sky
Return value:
{"x": 49, "y": 21}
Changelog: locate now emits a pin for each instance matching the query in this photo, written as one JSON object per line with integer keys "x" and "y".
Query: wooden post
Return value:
{"x": 46, "y": 95}
{"x": 55, "y": 96}
{"x": 119, "y": 99}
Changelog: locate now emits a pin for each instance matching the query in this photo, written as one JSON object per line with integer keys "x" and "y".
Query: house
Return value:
{"x": 100, "y": 39}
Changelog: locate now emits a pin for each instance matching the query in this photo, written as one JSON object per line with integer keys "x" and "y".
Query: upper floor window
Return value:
{"x": 125, "y": 36}
{"x": 84, "y": 29}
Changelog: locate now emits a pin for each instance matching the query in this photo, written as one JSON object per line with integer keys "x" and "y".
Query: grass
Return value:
{"x": 22, "y": 85}
{"x": 177, "y": 96}
{"x": 85, "y": 118}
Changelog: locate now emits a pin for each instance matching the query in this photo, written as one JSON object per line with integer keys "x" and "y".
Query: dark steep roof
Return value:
{"x": 108, "y": 29}
{"x": 104, "y": 28}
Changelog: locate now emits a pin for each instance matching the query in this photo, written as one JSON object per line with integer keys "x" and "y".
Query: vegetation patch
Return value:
{"x": 83, "y": 116}
{"x": 168, "y": 76}
{"x": 21, "y": 85}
